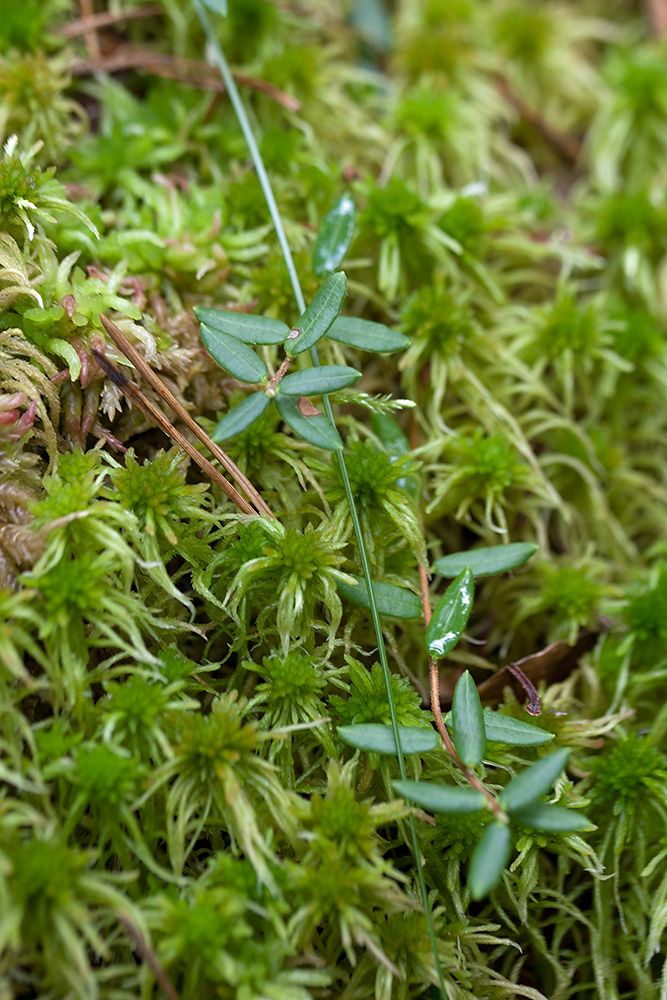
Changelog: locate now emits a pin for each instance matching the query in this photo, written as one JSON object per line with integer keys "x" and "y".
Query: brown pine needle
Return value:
{"x": 136, "y": 396}
{"x": 144, "y": 369}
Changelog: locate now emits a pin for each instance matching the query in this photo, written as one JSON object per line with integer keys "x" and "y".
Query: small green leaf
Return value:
{"x": 367, "y": 336}
{"x": 441, "y": 798}
{"x": 318, "y": 429}
{"x": 489, "y": 859}
{"x": 468, "y": 721}
{"x": 64, "y": 350}
{"x": 534, "y": 782}
{"x": 217, "y": 6}
{"x": 241, "y": 416}
{"x": 380, "y": 739}
{"x": 319, "y": 315}
{"x": 318, "y": 381}
{"x": 396, "y": 602}
{"x": 504, "y": 729}
{"x": 451, "y": 615}
{"x": 390, "y": 434}
{"x": 552, "y": 819}
{"x": 233, "y": 355}
{"x": 335, "y": 235}
{"x": 486, "y": 561}
{"x": 247, "y": 327}
{"x": 513, "y": 732}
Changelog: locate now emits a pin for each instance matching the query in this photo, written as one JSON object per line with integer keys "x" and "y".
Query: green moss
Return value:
{"x": 173, "y": 673}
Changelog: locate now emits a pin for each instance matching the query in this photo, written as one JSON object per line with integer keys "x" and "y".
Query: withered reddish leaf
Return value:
{"x": 306, "y": 408}
{"x": 552, "y": 664}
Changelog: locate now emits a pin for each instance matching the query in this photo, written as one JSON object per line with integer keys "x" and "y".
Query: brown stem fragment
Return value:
{"x": 124, "y": 345}
{"x": 565, "y": 145}
{"x": 470, "y": 777}
{"x": 136, "y": 396}
{"x": 147, "y": 955}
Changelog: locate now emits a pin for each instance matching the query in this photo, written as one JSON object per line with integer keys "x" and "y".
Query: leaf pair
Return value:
{"x": 451, "y": 614}
{"x": 230, "y": 337}
{"x": 519, "y": 801}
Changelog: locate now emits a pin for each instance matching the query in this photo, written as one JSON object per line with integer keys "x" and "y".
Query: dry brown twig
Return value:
{"x": 565, "y": 145}
{"x": 137, "y": 397}
{"x": 106, "y": 19}
{"x": 188, "y": 71}
{"x": 147, "y": 955}
{"x": 90, "y": 34}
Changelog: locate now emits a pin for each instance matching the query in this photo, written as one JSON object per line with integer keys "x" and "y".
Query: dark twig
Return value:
{"x": 147, "y": 955}
{"x": 565, "y": 145}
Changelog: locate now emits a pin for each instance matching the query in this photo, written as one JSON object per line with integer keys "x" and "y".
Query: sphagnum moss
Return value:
{"x": 172, "y": 676}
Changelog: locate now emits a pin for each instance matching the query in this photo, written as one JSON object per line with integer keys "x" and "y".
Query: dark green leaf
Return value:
{"x": 396, "y": 602}
{"x": 317, "y": 429}
{"x": 468, "y": 722}
{"x": 318, "y": 381}
{"x": 534, "y": 782}
{"x": 441, "y": 798}
{"x": 247, "y": 327}
{"x": 485, "y": 562}
{"x": 504, "y": 729}
{"x": 319, "y": 315}
{"x": 241, "y": 416}
{"x": 451, "y": 615}
{"x": 335, "y": 236}
{"x": 489, "y": 859}
{"x": 233, "y": 355}
{"x": 552, "y": 819}
{"x": 513, "y": 732}
{"x": 380, "y": 739}
{"x": 390, "y": 434}
{"x": 217, "y": 6}
{"x": 367, "y": 336}
{"x": 396, "y": 444}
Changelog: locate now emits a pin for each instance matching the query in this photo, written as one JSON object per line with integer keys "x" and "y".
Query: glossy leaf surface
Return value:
{"x": 367, "y": 336}
{"x": 486, "y": 561}
{"x": 318, "y": 381}
{"x": 552, "y": 819}
{"x": 441, "y": 798}
{"x": 233, "y": 355}
{"x": 317, "y": 429}
{"x": 320, "y": 314}
{"x": 468, "y": 730}
{"x": 396, "y": 602}
{"x": 241, "y": 417}
{"x": 534, "y": 782}
{"x": 380, "y": 739}
{"x": 489, "y": 859}
{"x": 247, "y": 327}
{"x": 451, "y": 615}
{"x": 335, "y": 235}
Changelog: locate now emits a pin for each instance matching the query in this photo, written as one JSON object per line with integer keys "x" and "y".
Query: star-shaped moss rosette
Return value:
{"x": 230, "y": 339}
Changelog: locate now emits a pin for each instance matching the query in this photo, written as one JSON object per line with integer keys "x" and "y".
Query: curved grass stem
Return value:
{"x": 267, "y": 190}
